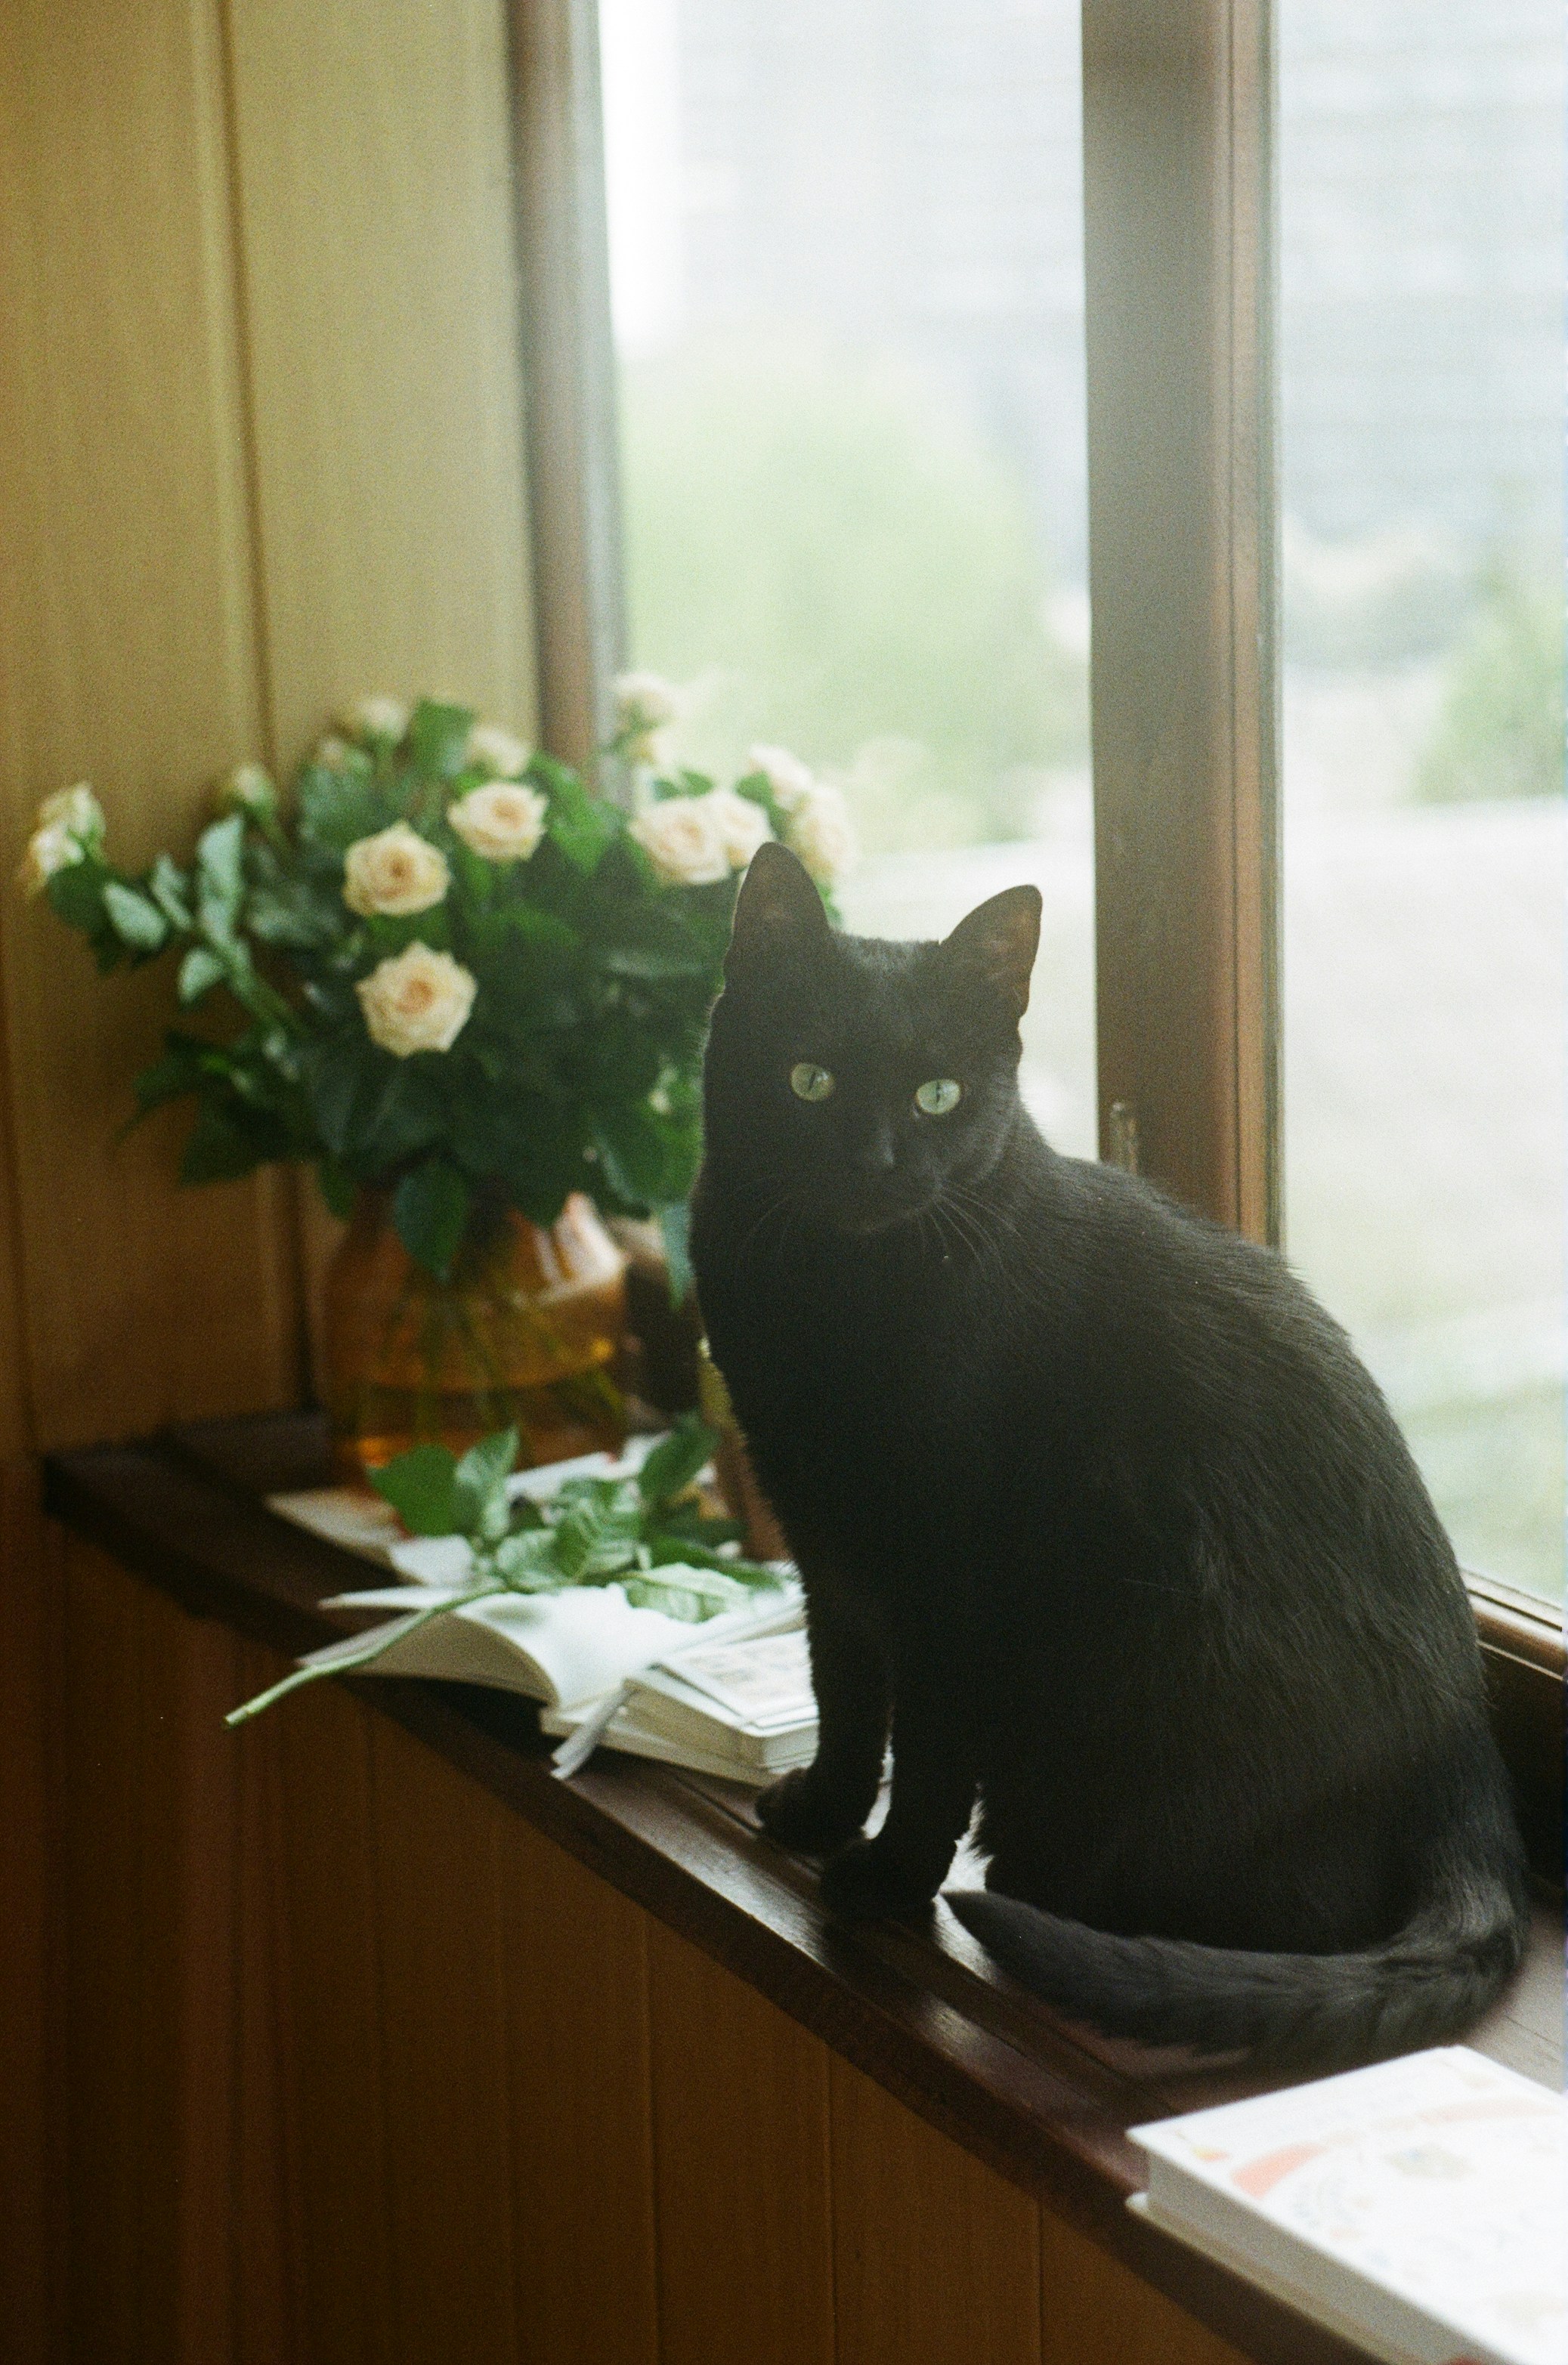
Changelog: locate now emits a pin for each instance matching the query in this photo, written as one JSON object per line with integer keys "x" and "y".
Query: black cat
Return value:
{"x": 1097, "y": 1505}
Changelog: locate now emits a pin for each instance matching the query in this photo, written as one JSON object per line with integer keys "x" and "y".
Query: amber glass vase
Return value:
{"x": 525, "y": 1330}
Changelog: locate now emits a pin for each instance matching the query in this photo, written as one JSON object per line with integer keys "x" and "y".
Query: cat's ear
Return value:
{"x": 997, "y": 943}
{"x": 778, "y": 911}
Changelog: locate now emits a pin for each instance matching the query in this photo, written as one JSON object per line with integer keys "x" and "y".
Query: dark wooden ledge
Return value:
{"x": 919, "y": 2010}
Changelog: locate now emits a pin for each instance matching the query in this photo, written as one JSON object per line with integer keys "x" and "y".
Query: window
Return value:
{"x": 846, "y": 251}
{"x": 1421, "y": 164}
{"x": 1421, "y": 185}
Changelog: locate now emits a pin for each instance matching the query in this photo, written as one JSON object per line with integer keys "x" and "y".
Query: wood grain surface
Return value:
{"x": 129, "y": 656}
{"x": 936, "y": 2258}
{"x": 371, "y": 182}
{"x": 577, "y": 2078}
{"x": 741, "y": 2147}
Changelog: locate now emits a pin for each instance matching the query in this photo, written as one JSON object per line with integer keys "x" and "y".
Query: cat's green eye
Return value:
{"x": 939, "y": 1097}
{"x": 810, "y": 1082}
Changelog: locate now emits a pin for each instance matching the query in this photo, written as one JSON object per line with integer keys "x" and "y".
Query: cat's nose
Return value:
{"x": 876, "y": 1151}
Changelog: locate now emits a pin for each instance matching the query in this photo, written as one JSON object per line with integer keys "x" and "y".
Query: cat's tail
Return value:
{"x": 1425, "y": 1985}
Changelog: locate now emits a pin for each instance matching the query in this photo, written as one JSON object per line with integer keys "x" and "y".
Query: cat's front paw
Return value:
{"x": 868, "y": 1880}
{"x": 801, "y": 1811}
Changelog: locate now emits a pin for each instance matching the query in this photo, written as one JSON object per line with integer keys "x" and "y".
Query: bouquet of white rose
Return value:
{"x": 458, "y": 974}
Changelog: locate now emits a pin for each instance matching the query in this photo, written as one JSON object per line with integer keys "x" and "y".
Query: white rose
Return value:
{"x": 49, "y": 849}
{"x": 376, "y": 719}
{"x": 790, "y": 777}
{"x": 397, "y": 870}
{"x": 248, "y": 788}
{"x": 823, "y": 835}
{"x": 335, "y": 755}
{"x": 684, "y": 840}
{"x": 742, "y": 826}
{"x": 644, "y": 700}
{"x": 503, "y": 755}
{"x": 420, "y": 1002}
{"x": 644, "y": 704}
{"x": 76, "y": 810}
{"x": 501, "y": 820}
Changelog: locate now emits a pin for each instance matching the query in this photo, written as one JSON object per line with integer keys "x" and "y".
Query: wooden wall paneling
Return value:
{"x": 374, "y": 202}
{"x": 346, "y": 2259}
{"x": 103, "y": 1904}
{"x": 176, "y": 2206}
{"x": 1092, "y": 2307}
{"x": 936, "y": 2258}
{"x": 32, "y": 2222}
{"x": 575, "y": 2064}
{"x": 128, "y": 655}
{"x": 32, "y": 2227}
{"x": 186, "y": 1795}
{"x": 444, "y": 2050}
{"x": 268, "y": 2289}
{"x": 745, "y": 2195}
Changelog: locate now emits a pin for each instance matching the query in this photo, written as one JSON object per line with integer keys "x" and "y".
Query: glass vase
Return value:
{"x": 525, "y": 1331}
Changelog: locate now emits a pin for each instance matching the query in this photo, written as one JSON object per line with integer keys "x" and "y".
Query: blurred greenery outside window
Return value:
{"x": 846, "y": 259}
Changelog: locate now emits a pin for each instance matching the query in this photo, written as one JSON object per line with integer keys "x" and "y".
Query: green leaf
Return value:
{"x": 337, "y": 807}
{"x": 635, "y": 961}
{"x": 644, "y": 1156}
{"x": 430, "y": 1210}
{"x": 337, "y": 1188}
{"x": 76, "y": 895}
{"x": 199, "y": 972}
{"x": 528, "y": 1562}
{"x": 533, "y": 1145}
{"x": 438, "y": 738}
{"x": 582, "y": 826}
{"x": 684, "y": 1591}
{"x": 137, "y": 920}
{"x": 421, "y": 1486}
{"x": 220, "y": 877}
{"x": 294, "y": 915}
{"x": 664, "y": 1552}
{"x": 600, "y": 1532}
{"x": 371, "y": 1111}
{"x": 182, "y": 1070}
{"x": 675, "y": 1227}
{"x": 675, "y": 1462}
{"x": 479, "y": 1489}
{"x": 219, "y": 1149}
{"x": 170, "y": 891}
{"x": 534, "y": 926}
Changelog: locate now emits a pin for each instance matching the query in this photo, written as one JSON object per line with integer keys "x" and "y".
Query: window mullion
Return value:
{"x": 1178, "y": 254}
{"x": 573, "y": 477}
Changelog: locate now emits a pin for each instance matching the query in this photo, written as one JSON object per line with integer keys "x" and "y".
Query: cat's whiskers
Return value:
{"x": 968, "y": 1216}
{"x": 785, "y": 1203}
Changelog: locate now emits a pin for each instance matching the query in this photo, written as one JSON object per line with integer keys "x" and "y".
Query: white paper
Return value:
{"x": 762, "y": 1683}
{"x": 562, "y": 1648}
{"x": 1441, "y": 2180}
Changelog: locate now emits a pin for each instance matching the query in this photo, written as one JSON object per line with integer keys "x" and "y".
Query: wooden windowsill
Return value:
{"x": 919, "y": 2008}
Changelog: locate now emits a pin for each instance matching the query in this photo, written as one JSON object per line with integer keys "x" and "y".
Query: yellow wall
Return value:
{"x": 261, "y": 447}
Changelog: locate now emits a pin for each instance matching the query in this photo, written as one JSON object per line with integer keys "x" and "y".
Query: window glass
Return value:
{"x": 846, "y": 268}
{"x": 1421, "y": 340}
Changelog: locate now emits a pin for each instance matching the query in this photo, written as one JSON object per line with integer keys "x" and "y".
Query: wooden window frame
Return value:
{"x": 1180, "y": 250}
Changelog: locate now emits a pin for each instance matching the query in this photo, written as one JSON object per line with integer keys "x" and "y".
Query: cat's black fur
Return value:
{"x": 1094, "y": 1497}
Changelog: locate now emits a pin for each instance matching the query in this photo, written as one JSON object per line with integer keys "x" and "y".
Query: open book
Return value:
{"x": 1419, "y": 2207}
{"x": 740, "y": 1705}
{"x": 731, "y": 1695}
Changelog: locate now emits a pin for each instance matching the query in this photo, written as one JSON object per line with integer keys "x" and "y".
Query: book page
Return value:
{"x": 761, "y": 1682}
{"x": 1441, "y": 2179}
